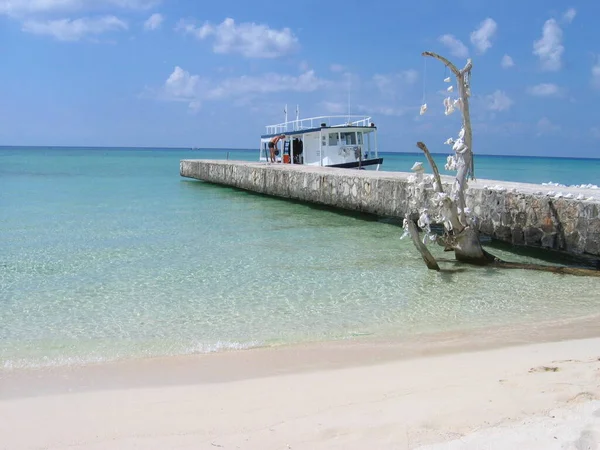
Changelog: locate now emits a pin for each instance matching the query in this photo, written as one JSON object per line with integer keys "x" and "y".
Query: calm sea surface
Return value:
{"x": 109, "y": 253}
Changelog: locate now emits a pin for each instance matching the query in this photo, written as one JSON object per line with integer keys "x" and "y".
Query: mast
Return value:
{"x": 349, "y": 85}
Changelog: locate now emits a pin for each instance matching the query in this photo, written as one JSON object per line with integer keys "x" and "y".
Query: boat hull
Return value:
{"x": 367, "y": 164}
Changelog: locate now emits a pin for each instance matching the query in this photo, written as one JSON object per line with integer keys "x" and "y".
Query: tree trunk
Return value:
{"x": 577, "y": 271}
{"x": 559, "y": 270}
{"x": 468, "y": 249}
{"x": 430, "y": 261}
{"x": 459, "y": 236}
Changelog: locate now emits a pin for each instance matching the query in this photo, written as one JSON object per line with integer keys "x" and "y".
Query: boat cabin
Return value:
{"x": 332, "y": 141}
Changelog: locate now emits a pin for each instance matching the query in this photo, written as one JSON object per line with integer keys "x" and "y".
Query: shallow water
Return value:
{"x": 109, "y": 254}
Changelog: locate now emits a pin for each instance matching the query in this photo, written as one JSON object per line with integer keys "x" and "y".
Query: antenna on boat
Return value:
{"x": 349, "y": 86}
{"x": 297, "y": 115}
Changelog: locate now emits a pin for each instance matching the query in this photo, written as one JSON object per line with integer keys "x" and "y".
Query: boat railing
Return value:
{"x": 314, "y": 122}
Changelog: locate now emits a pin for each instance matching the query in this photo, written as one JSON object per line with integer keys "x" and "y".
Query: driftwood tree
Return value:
{"x": 449, "y": 208}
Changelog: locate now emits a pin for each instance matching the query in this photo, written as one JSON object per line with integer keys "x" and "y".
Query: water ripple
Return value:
{"x": 118, "y": 266}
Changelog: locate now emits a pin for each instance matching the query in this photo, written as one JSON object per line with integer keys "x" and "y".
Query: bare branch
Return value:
{"x": 460, "y": 236}
{"x": 460, "y": 77}
{"x": 436, "y": 172}
{"x": 466, "y": 115}
{"x": 430, "y": 261}
{"x": 578, "y": 271}
{"x": 448, "y": 203}
{"x": 447, "y": 63}
{"x": 457, "y": 73}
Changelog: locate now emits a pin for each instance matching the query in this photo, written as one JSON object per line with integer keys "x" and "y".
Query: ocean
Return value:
{"x": 107, "y": 253}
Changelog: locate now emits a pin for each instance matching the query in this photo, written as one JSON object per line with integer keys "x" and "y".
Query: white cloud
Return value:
{"x": 183, "y": 86}
{"x": 248, "y": 39}
{"x": 569, "y": 15}
{"x": 501, "y": 127}
{"x": 386, "y": 110}
{"x": 390, "y": 84}
{"x": 456, "y": 47}
{"x": 334, "y": 107}
{"x": 480, "y": 38}
{"x": 545, "y": 90}
{"x": 596, "y": 74}
{"x": 498, "y": 101}
{"x": 26, "y": 7}
{"x": 303, "y": 65}
{"x": 549, "y": 48}
{"x": 337, "y": 68}
{"x": 342, "y": 108}
{"x": 74, "y": 30}
{"x": 154, "y": 22}
{"x": 384, "y": 83}
{"x": 265, "y": 84}
{"x": 545, "y": 126}
{"x": 507, "y": 62}
{"x": 409, "y": 76}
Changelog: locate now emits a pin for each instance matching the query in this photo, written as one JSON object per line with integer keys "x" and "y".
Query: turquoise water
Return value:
{"x": 109, "y": 253}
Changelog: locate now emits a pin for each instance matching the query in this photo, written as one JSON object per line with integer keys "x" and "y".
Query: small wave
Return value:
{"x": 62, "y": 361}
{"x": 71, "y": 361}
{"x": 221, "y": 346}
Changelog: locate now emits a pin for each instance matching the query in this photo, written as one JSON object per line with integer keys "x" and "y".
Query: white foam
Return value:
{"x": 575, "y": 186}
{"x": 62, "y": 361}
{"x": 221, "y": 346}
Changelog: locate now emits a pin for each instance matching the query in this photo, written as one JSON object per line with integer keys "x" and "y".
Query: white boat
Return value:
{"x": 348, "y": 142}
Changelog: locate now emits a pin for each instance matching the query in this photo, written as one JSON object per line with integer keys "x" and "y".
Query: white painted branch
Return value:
{"x": 451, "y": 66}
{"x": 430, "y": 261}
{"x": 464, "y": 169}
{"x": 450, "y": 206}
{"x": 466, "y": 116}
{"x": 467, "y": 157}
{"x": 434, "y": 168}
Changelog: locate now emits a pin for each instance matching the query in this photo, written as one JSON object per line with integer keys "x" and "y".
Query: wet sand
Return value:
{"x": 426, "y": 390}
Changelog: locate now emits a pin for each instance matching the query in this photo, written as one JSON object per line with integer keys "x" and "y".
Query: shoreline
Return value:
{"x": 460, "y": 388}
{"x": 285, "y": 359}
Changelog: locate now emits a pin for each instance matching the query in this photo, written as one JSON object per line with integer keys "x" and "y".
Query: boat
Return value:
{"x": 347, "y": 142}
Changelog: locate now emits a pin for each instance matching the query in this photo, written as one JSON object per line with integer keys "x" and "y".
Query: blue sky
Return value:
{"x": 178, "y": 73}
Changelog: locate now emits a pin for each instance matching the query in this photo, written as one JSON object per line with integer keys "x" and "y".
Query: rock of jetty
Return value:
{"x": 551, "y": 217}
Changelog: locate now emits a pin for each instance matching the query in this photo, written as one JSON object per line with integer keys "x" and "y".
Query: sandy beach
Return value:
{"x": 451, "y": 391}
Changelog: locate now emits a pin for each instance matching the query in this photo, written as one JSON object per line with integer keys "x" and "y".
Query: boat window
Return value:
{"x": 348, "y": 138}
{"x": 333, "y": 138}
{"x": 359, "y": 137}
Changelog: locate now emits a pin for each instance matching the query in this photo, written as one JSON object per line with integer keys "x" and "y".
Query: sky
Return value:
{"x": 177, "y": 73}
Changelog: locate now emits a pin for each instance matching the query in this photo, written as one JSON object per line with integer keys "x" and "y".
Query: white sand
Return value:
{"x": 576, "y": 427}
{"x": 491, "y": 399}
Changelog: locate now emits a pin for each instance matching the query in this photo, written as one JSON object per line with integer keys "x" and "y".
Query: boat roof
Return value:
{"x": 315, "y": 129}
{"x": 313, "y": 124}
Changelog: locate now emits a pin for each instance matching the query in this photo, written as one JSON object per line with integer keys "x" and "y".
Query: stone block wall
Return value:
{"x": 514, "y": 217}
{"x": 537, "y": 220}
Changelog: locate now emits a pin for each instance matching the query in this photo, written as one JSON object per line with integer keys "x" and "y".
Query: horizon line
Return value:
{"x": 251, "y": 149}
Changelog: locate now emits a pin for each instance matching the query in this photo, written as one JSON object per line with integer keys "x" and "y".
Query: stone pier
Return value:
{"x": 559, "y": 218}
